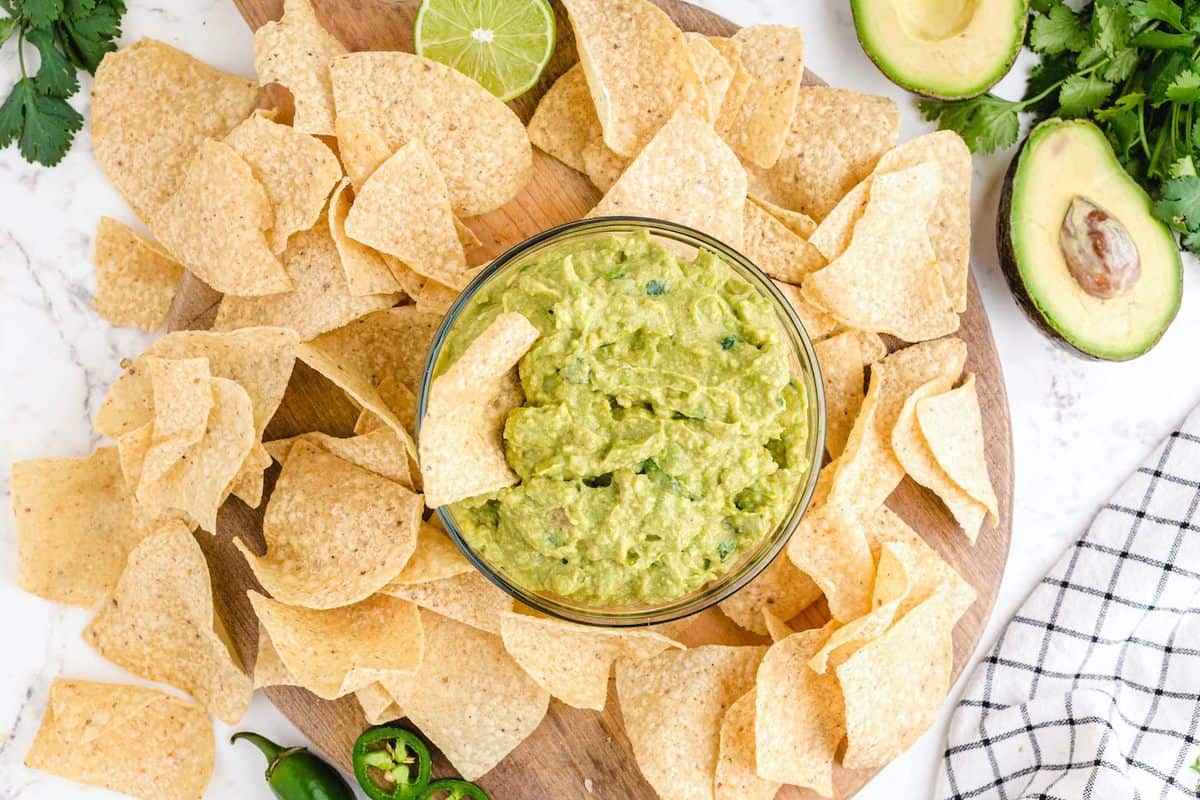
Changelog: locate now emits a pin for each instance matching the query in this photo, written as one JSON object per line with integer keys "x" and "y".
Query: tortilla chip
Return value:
{"x": 199, "y": 481}
{"x": 776, "y": 628}
{"x": 602, "y": 165}
{"x": 952, "y": 424}
{"x": 686, "y": 174}
{"x": 183, "y": 399}
{"x": 714, "y": 71}
{"x": 364, "y": 269}
{"x": 800, "y": 224}
{"x": 673, "y": 704}
{"x": 215, "y": 224}
{"x": 894, "y": 686}
{"x": 399, "y": 399}
{"x": 378, "y": 706}
{"x": 258, "y": 359}
{"x": 737, "y": 776}
{"x": 461, "y": 445}
{"x": 409, "y": 281}
{"x": 776, "y": 250}
{"x": 815, "y": 321}
{"x": 904, "y": 576}
{"x": 134, "y": 740}
{"x": 321, "y": 300}
{"x": 798, "y": 715}
{"x": 917, "y": 459}
{"x": 379, "y": 451}
{"x": 435, "y": 558}
{"x": 842, "y": 359}
{"x": 269, "y": 669}
{"x": 160, "y": 624}
{"x": 476, "y": 709}
{"x": 76, "y": 525}
{"x": 868, "y": 471}
{"x": 565, "y": 119}
{"x": 774, "y": 57}
{"x": 295, "y": 52}
{"x": 136, "y": 280}
{"x": 436, "y": 298}
{"x": 152, "y": 106}
{"x": 740, "y": 82}
{"x": 908, "y": 299}
{"x": 248, "y": 485}
{"x": 831, "y": 548}
{"x": 298, "y": 172}
{"x": 950, "y": 223}
{"x": 781, "y": 588}
{"x": 832, "y": 236}
{"x": 477, "y": 142}
{"x": 335, "y": 652}
{"x": 636, "y": 82}
{"x": 403, "y": 210}
{"x": 467, "y": 597}
{"x": 573, "y": 662}
{"x": 361, "y": 148}
{"x": 335, "y": 533}
{"x": 835, "y": 139}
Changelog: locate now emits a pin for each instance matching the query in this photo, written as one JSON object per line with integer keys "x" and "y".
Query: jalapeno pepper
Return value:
{"x": 293, "y": 773}
{"x": 453, "y": 790}
{"x": 391, "y": 763}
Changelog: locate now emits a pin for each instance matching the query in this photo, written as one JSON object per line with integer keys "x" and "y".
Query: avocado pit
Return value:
{"x": 1100, "y": 254}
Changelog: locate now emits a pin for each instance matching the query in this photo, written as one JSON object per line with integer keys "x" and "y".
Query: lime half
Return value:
{"x": 503, "y": 44}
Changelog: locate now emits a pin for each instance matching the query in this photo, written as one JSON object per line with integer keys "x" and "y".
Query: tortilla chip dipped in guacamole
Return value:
{"x": 658, "y": 434}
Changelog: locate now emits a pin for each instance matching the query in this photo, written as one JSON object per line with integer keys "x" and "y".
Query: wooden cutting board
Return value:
{"x": 575, "y": 753}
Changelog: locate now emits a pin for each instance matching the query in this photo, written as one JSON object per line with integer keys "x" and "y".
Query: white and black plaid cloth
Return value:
{"x": 1093, "y": 690}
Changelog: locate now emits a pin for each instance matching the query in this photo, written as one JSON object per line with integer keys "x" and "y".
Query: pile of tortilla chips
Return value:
{"x": 339, "y": 238}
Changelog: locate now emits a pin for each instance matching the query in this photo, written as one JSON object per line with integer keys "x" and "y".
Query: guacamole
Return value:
{"x": 662, "y": 433}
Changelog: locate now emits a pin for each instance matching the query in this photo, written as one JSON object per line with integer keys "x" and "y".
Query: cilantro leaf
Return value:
{"x": 1060, "y": 30}
{"x": 56, "y": 75}
{"x": 1182, "y": 167}
{"x": 1159, "y": 10}
{"x": 43, "y": 126}
{"x": 7, "y": 26}
{"x": 1043, "y": 78}
{"x": 40, "y": 13}
{"x": 986, "y": 123}
{"x": 1180, "y": 204}
{"x": 88, "y": 29}
{"x": 1185, "y": 88}
{"x": 1163, "y": 40}
{"x": 1163, "y": 72}
{"x": 1110, "y": 27}
{"x": 1121, "y": 65}
{"x": 1081, "y": 93}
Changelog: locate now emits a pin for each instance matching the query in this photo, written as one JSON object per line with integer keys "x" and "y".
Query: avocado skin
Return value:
{"x": 1012, "y": 273}
{"x": 888, "y": 72}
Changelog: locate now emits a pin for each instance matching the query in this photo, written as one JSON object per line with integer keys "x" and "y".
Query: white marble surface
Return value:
{"x": 1078, "y": 427}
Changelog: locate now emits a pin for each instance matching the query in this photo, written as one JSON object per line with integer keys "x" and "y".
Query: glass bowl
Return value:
{"x": 686, "y": 242}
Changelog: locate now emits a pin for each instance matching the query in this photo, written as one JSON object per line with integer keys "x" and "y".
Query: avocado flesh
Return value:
{"x": 1059, "y": 161}
{"x": 942, "y": 48}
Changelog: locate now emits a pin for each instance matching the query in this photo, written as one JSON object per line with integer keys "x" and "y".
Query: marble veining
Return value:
{"x": 1078, "y": 427}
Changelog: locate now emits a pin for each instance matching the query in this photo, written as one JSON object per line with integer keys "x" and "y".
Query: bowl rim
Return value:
{"x": 717, "y": 590}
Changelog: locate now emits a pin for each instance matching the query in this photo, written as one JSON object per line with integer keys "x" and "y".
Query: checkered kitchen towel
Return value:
{"x": 1093, "y": 690}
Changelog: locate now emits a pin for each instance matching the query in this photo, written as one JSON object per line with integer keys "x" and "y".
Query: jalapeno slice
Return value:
{"x": 391, "y": 763}
{"x": 453, "y": 789}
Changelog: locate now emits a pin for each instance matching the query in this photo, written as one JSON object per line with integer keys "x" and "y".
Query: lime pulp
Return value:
{"x": 505, "y": 45}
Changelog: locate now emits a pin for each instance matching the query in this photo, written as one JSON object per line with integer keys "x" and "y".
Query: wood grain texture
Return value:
{"x": 571, "y": 746}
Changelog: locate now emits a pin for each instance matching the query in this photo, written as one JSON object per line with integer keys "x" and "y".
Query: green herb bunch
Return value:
{"x": 68, "y": 35}
{"x": 1133, "y": 68}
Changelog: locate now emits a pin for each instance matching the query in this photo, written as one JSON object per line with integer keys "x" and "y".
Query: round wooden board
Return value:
{"x": 574, "y": 753}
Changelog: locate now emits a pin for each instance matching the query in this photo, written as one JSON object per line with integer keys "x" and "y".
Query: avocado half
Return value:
{"x": 949, "y": 49}
{"x": 1060, "y": 161}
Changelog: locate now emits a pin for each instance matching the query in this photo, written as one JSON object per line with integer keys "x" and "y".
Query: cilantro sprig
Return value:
{"x": 67, "y": 36}
{"x": 1133, "y": 68}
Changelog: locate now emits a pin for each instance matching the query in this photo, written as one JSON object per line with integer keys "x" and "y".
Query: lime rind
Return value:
{"x": 504, "y": 45}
